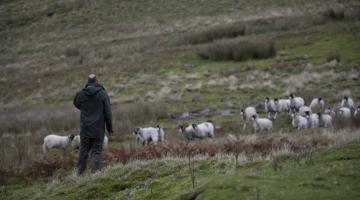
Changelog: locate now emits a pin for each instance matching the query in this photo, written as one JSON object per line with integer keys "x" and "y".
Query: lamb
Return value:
{"x": 76, "y": 142}
{"x": 317, "y": 104}
{"x": 296, "y": 102}
{"x": 313, "y": 120}
{"x": 57, "y": 141}
{"x": 149, "y": 135}
{"x": 299, "y": 121}
{"x": 282, "y": 105}
{"x": 200, "y": 131}
{"x": 270, "y": 108}
{"x": 303, "y": 110}
{"x": 330, "y": 112}
{"x": 347, "y": 102}
{"x": 357, "y": 112}
{"x": 261, "y": 124}
{"x": 345, "y": 112}
{"x": 247, "y": 114}
{"x": 325, "y": 120}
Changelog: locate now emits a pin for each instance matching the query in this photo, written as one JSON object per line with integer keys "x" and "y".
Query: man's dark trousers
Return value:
{"x": 96, "y": 146}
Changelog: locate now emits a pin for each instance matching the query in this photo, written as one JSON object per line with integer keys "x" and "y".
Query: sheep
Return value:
{"x": 261, "y": 124}
{"x": 76, "y": 142}
{"x": 200, "y": 131}
{"x": 330, "y": 112}
{"x": 347, "y": 102}
{"x": 357, "y": 112}
{"x": 282, "y": 105}
{"x": 296, "y": 102}
{"x": 313, "y": 120}
{"x": 304, "y": 109}
{"x": 57, "y": 141}
{"x": 247, "y": 114}
{"x": 325, "y": 120}
{"x": 299, "y": 121}
{"x": 317, "y": 104}
{"x": 270, "y": 108}
{"x": 149, "y": 135}
{"x": 345, "y": 112}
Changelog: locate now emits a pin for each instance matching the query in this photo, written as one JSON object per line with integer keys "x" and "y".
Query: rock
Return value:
{"x": 196, "y": 98}
{"x": 185, "y": 115}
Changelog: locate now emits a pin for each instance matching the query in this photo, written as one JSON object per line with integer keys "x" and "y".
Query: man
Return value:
{"x": 94, "y": 105}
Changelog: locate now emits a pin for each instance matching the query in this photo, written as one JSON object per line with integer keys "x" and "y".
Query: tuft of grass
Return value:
{"x": 214, "y": 33}
{"x": 238, "y": 49}
{"x": 333, "y": 55}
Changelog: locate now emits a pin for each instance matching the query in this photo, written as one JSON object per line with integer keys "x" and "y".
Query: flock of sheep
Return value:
{"x": 303, "y": 117}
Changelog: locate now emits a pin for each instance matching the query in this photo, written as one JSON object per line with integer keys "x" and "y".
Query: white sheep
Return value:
{"x": 270, "y": 108}
{"x": 304, "y": 110}
{"x": 199, "y": 131}
{"x": 299, "y": 121}
{"x": 317, "y": 104}
{"x": 76, "y": 142}
{"x": 57, "y": 141}
{"x": 330, "y": 112}
{"x": 149, "y": 135}
{"x": 344, "y": 112}
{"x": 260, "y": 124}
{"x": 325, "y": 120}
{"x": 313, "y": 120}
{"x": 247, "y": 115}
{"x": 357, "y": 112}
{"x": 296, "y": 102}
{"x": 347, "y": 102}
{"x": 282, "y": 105}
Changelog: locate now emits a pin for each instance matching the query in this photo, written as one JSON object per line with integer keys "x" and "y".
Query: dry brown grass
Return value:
{"x": 251, "y": 146}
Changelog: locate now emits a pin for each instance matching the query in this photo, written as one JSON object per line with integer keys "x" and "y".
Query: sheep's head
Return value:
{"x": 194, "y": 126}
{"x": 71, "y": 137}
{"x": 320, "y": 99}
{"x": 182, "y": 128}
{"x": 291, "y": 96}
{"x": 276, "y": 100}
{"x": 136, "y": 131}
{"x": 319, "y": 115}
{"x": 307, "y": 113}
{"x": 346, "y": 98}
{"x": 254, "y": 117}
{"x": 267, "y": 99}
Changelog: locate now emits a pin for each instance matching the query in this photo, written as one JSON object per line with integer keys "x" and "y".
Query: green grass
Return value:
{"x": 334, "y": 174}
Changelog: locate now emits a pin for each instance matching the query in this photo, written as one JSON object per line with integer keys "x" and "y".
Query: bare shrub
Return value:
{"x": 333, "y": 55}
{"x": 238, "y": 49}
{"x": 334, "y": 14}
{"x": 214, "y": 33}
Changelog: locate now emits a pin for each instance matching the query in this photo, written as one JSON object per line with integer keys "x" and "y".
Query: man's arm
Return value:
{"x": 76, "y": 101}
{"x": 107, "y": 113}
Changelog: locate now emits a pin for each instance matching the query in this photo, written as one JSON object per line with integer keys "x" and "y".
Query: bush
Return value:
{"x": 217, "y": 32}
{"x": 238, "y": 49}
{"x": 333, "y": 55}
{"x": 334, "y": 14}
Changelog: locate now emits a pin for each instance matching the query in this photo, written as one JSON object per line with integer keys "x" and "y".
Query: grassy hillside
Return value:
{"x": 327, "y": 174}
{"x": 153, "y": 59}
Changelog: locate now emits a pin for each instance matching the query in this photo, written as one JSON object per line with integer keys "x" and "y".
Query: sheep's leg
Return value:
{"x": 275, "y": 115}
{"x": 244, "y": 126}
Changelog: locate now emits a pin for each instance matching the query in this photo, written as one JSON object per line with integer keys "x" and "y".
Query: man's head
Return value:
{"x": 92, "y": 78}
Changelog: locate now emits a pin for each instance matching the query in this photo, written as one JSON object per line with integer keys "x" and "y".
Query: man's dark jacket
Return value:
{"x": 94, "y": 104}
